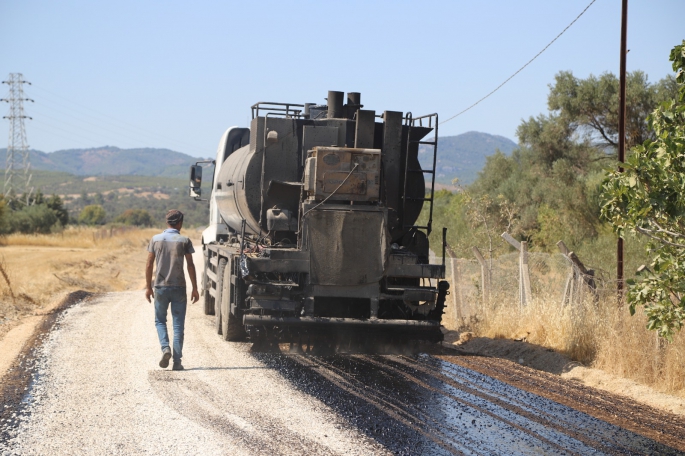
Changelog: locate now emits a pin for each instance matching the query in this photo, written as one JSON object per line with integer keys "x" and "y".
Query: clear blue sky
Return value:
{"x": 177, "y": 74}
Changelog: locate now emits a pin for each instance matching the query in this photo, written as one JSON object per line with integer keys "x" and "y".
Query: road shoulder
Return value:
{"x": 547, "y": 360}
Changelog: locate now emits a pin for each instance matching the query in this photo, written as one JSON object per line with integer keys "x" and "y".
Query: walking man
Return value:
{"x": 167, "y": 250}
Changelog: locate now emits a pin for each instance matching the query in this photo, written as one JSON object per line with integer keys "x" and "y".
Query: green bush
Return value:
{"x": 137, "y": 217}
{"x": 93, "y": 214}
{"x": 38, "y": 218}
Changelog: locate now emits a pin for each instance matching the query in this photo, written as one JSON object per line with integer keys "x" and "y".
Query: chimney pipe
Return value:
{"x": 335, "y": 104}
{"x": 354, "y": 98}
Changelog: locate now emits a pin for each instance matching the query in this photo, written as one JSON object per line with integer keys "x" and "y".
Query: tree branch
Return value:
{"x": 599, "y": 128}
{"x": 650, "y": 234}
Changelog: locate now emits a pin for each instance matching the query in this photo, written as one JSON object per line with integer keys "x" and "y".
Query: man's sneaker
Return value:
{"x": 166, "y": 356}
{"x": 177, "y": 366}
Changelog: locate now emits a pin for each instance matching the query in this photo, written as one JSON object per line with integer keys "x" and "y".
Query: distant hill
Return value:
{"x": 111, "y": 161}
{"x": 462, "y": 156}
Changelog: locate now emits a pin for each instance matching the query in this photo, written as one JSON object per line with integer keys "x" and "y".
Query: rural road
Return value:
{"x": 96, "y": 389}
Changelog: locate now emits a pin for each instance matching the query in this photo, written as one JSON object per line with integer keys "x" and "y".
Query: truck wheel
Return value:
{"x": 208, "y": 300}
{"x": 232, "y": 328}
{"x": 220, "y": 294}
{"x": 209, "y": 303}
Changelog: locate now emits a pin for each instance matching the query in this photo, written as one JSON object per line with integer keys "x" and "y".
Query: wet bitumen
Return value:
{"x": 421, "y": 405}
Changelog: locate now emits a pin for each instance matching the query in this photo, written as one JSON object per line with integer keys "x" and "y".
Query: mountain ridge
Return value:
{"x": 463, "y": 156}
{"x": 459, "y": 156}
{"x": 111, "y": 160}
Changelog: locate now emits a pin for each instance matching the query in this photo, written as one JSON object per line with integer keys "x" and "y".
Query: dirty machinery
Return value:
{"x": 313, "y": 232}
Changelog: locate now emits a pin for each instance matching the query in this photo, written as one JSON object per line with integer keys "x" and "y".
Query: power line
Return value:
{"x": 521, "y": 69}
{"x": 112, "y": 134}
{"x": 128, "y": 126}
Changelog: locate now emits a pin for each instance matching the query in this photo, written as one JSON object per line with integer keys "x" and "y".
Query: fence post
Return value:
{"x": 574, "y": 286}
{"x": 588, "y": 275}
{"x": 526, "y": 294}
{"x": 484, "y": 275}
{"x": 455, "y": 287}
{"x": 456, "y": 293}
{"x": 570, "y": 280}
{"x": 513, "y": 242}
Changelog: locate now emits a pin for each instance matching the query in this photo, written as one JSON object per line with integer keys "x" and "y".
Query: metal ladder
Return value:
{"x": 432, "y": 121}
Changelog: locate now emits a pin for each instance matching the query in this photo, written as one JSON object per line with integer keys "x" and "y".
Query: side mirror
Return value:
{"x": 195, "y": 181}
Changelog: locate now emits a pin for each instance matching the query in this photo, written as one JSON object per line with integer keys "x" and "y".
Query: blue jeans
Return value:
{"x": 175, "y": 296}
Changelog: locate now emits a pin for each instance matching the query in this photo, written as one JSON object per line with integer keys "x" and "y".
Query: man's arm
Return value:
{"x": 148, "y": 276}
{"x": 194, "y": 295}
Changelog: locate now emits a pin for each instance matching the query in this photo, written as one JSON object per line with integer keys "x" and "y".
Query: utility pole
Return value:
{"x": 18, "y": 159}
{"x": 622, "y": 136}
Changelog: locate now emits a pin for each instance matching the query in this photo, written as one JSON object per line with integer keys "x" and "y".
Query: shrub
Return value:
{"x": 93, "y": 214}
{"x": 38, "y": 218}
{"x": 137, "y": 217}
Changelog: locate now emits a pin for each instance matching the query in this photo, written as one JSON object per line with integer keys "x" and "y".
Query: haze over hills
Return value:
{"x": 112, "y": 161}
{"x": 460, "y": 156}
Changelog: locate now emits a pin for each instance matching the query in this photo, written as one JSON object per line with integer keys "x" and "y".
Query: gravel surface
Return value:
{"x": 98, "y": 390}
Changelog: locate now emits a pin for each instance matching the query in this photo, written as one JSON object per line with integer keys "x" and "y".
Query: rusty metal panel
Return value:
{"x": 355, "y": 184}
{"x": 355, "y": 171}
{"x": 366, "y": 122}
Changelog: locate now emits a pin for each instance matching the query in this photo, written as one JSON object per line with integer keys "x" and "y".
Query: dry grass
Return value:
{"x": 628, "y": 350}
{"x": 82, "y": 237}
{"x": 599, "y": 334}
{"x": 40, "y": 266}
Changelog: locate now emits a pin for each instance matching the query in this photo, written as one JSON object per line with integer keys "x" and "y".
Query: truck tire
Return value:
{"x": 220, "y": 295}
{"x": 232, "y": 328}
{"x": 208, "y": 299}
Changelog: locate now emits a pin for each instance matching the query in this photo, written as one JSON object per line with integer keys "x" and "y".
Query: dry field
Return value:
{"x": 37, "y": 268}
{"x": 599, "y": 335}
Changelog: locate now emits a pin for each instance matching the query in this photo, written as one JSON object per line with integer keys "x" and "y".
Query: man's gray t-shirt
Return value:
{"x": 170, "y": 248}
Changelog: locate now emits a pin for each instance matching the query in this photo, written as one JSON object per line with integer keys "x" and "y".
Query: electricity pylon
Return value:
{"x": 18, "y": 161}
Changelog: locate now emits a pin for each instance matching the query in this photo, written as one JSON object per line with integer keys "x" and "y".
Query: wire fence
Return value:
{"x": 476, "y": 286}
{"x": 107, "y": 233}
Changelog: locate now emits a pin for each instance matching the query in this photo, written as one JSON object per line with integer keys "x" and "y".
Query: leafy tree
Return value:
{"x": 137, "y": 217}
{"x": 55, "y": 203}
{"x": 93, "y": 214}
{"x": 37, "y": 218}
{"x": 590, "y": 106}
{"x": 649, "y": 198}
{"x": 554, "y": 178}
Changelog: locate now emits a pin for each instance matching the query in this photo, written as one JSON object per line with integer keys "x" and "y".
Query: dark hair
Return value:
{"x": 174, "y": 217}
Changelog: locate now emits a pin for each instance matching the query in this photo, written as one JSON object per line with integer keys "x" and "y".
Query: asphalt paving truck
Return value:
{"x": 313, "y": 228}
